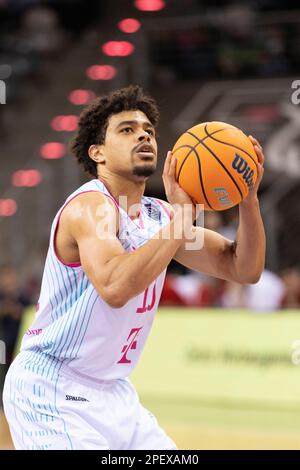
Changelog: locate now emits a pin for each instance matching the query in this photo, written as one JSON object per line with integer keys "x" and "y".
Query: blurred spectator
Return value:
{"x": 32, "y": 273}
{"x": 266, "y": 295}
{"x": 231, "y": 42}
{"x": 40, "y": 32}
{"x": 274, "y": 58}
{"x": 232, "y": 295}
{"x": 195, "y": 289}
{"x": 12, "y": 304}
{"x": 291, "y": 280}
{"x": 170, "y": 296}
{"x": 189, "y": 290}
{"x": 238, "y": 17}
{"x": 238, "y": 56}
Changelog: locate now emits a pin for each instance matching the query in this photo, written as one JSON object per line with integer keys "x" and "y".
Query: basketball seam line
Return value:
{"x": 226, "y": 143}
{"x": 199, "y": 168}
{"x": 213, "y": 154}
{"x": 189, "y": 153}
{"x": 199, "y": 140}
{"x": 236, "y": 184}
{"x": 201, "y": 179}
{"x": 193, "y": 147}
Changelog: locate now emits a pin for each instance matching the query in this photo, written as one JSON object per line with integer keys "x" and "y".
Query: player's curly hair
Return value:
{"x": 94, "y": 118}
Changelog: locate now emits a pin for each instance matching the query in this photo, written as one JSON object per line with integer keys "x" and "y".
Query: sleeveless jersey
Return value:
{"x": 74, "y": 326}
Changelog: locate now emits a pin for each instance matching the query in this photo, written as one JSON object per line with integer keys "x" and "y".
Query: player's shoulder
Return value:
{"x": 84, "y": 211}
{"x": 91, "y": 200}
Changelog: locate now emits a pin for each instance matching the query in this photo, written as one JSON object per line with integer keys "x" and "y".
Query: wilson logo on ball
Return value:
{"x": 242, "y": 167}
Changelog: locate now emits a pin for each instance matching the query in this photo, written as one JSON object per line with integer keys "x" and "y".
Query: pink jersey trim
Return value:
{"x": 78, "y": 263}
{"x": 111, "y": 196}
{"x": 72, "y": 265}
{"x": 140, "y": 223}
{"x": 165, "y": 208}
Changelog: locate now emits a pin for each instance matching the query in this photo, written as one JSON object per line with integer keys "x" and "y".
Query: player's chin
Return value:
{"x": 144, "y": 169}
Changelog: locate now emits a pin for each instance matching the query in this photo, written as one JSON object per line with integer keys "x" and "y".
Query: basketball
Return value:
{"x": 216, "y": 165}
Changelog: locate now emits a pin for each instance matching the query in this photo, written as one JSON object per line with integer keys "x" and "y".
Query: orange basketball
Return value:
{"x": 216, "y": 164}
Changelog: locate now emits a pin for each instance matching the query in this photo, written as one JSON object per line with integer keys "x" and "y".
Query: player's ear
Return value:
{"x": 96, "y": 153}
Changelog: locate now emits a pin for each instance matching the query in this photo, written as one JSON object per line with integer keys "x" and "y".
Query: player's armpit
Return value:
{"x": 93, "y": 223}
{"x": 215, "y": 257}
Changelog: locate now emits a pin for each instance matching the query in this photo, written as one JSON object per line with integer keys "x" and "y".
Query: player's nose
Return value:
{"x": 144, "y": 136}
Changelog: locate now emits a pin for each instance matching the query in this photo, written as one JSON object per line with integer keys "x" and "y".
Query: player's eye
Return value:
{"x": 127, "y": 130}
{"x": 150, "y": 131}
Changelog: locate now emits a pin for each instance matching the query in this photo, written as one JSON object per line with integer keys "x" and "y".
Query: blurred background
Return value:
{"x": 227, "y": 377}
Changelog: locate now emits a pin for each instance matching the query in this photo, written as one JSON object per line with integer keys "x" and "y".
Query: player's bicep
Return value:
{"x": 95, "y": 253}
{"x": 94, "y": 229}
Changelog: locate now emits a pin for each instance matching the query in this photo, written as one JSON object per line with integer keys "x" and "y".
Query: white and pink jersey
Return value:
{"x": 74, "y": 327}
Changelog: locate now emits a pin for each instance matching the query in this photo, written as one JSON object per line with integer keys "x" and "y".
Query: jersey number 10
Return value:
{"x": 147, "y": 307}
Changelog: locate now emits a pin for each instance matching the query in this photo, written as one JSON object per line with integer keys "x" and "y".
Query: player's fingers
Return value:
{"x": 259, "y": 153}
{"x": 260, "y": 173}
{"x": 172, "y": 168}
{"x": 255, "y": 141}
{"x": 166, "y": 178}
{"x": 167, "y": 163}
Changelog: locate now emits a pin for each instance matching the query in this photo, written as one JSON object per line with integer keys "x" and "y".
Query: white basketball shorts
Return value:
{"x": 66, "y": 413}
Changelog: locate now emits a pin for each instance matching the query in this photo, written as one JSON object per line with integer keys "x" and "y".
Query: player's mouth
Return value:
{"x": 145, "y": 152}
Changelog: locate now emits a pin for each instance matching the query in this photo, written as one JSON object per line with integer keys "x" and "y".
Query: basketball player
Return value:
{"x": 69, "y": 388}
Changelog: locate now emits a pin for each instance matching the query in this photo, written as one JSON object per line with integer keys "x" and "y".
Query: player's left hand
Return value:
{"x": 260, "y": 169}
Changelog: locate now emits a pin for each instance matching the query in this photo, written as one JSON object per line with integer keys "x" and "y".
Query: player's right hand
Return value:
{"x": 175, "y": 194}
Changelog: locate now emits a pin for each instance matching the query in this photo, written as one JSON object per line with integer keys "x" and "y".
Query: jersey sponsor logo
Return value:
{"x": 74, "y": 398}
{"x": 153, "y": 211}
{"x": 35, "y": 332}
{"x": 131, "y": 344}
{"x": 242, "y": 167}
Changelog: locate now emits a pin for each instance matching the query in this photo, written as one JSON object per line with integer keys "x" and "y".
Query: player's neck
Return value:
{"x": 127, "y": 193}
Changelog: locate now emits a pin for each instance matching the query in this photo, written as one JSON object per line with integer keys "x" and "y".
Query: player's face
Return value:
{"x": 130, "y": 147}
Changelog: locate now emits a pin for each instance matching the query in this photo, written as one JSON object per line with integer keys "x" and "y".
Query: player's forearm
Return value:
{"x": 249, "y": 256}
{"x": 131, "y": 273}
